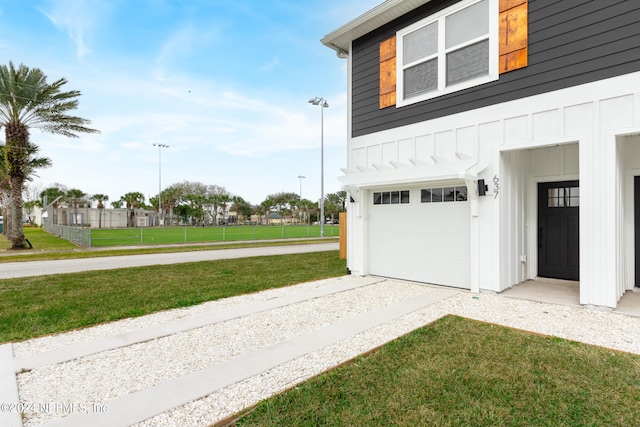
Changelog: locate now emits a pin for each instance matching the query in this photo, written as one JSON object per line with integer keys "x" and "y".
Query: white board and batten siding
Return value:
{"x": 598, "y": 123}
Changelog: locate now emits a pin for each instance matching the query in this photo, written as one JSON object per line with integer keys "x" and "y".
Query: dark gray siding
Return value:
{"x": 571, "y": 42}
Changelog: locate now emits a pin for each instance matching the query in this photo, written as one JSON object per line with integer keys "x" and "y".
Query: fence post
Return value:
{"x": 141, "y": 237}
{"x": 224, "y": 233}
{"x": 185, "y": 235}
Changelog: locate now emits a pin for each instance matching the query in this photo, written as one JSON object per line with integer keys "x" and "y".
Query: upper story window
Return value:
{"x": 450, "y": 51}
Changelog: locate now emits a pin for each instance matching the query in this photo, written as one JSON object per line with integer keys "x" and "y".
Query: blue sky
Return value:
{"x": 224, "y": 83}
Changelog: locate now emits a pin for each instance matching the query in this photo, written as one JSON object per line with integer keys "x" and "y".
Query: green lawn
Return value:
{"x": 160, "y": 235}
{"x": 43, "y": 240}
{"x": 35, "y": 306}
{"x": 49, "y": 247}
{"x": 458, "y": 372}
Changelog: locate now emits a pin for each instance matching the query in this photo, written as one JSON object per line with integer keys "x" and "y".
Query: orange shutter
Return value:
{"x": 514, "y": 34}
{"x": 388, "y": 73}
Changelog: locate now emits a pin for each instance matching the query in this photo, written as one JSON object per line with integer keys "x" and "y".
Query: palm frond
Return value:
{"x": 27, "y": 99}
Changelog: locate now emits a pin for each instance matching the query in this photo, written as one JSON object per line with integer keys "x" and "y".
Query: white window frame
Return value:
{"x": 442, "y": 63}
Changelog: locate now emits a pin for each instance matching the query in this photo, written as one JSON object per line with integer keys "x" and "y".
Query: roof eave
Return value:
{"x": 340, "y": 39}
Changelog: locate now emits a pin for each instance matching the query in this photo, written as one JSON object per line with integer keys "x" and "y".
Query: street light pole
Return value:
{"x": 160, "y": 147}
{"x": 323, "y": 104}
{"x": 301, "y": 178}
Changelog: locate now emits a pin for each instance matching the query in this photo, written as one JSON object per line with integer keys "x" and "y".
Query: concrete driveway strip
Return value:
{"x": 40, "y": 268}
{"x": 9, "y": 398}
{"x": 138, "y": 406}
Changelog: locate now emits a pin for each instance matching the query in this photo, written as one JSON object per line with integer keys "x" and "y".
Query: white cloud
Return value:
{"x": 178, "y": 43}
{"x": 273, "y": 64}
{"x": 182, "y": 42}
{"x": 77, "y": 19}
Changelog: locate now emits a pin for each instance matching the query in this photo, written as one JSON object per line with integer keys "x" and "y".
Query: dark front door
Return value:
{"x": 559, "y": 230}
{"x": 636, "y": 205}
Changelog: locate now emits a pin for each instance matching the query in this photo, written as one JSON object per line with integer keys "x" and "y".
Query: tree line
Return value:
{"x": 200, "y": 203}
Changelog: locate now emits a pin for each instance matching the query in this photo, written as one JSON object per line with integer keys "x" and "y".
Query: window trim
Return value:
{"x": 442, "y": 51}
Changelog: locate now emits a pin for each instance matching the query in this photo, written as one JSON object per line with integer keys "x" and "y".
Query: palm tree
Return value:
{"x": 339, "y": 198}
{"x": 132, "y": 201}
{"x": 335, "y": 203}
{"x": 294, "y": 205}
{"x": 100, "y": 198}
{"x": 242, "y": 208}
{"x": 224, "y": 200}
{"x": 28, "y": 101}
{"x": 195, "y": 207}
{"x": 169, "y": 197}
{"x": 32, "y": 162}
{"x": 75, "y": 196}
{"x": 52, "y": 194}
{"x": 307, "y": 204}
{"x": 217, "y": 197}
{"x": 266, "y": 208}
{"x": 5, "y": 193}
{"x": 260, "y": 211}
{"x": 281, "y": 202}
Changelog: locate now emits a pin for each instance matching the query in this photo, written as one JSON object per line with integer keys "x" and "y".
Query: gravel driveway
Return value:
{"x": 247, "y": 348}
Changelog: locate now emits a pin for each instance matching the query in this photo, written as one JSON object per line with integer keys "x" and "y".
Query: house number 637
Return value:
{"x": 496, "y": 186}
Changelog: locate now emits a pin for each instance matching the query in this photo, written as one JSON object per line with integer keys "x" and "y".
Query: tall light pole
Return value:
{"x": 160, "y": 147}
{"x": 323, "y": 104}
{"x": 300, "y": 177}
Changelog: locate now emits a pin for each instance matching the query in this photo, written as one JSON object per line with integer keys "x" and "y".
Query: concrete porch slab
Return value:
{"x": 552, "y": 291}
{"x": 566, "y": 292}
{"x": 629, "y": 304}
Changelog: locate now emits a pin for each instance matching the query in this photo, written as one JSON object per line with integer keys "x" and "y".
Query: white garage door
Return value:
{"x": 421, "y": 241}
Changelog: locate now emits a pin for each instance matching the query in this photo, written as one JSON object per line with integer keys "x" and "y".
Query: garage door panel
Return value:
{"x": 425, "y": 242}
{"x": 454, "y": 246}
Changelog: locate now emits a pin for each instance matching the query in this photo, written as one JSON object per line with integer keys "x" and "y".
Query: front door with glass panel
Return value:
{"x": 559, "y": 230}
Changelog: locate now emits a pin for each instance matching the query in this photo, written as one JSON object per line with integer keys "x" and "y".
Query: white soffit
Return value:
{"x": 340, "y": 39}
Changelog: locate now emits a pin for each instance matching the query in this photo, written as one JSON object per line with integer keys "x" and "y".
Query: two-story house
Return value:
{"x": 495, "y": 141}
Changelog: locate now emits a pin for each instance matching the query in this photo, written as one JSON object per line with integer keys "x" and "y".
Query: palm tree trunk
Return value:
{"x": 16, "y": 138}
{"x": 16, "y": 232}
{"x": 4, "y": 215}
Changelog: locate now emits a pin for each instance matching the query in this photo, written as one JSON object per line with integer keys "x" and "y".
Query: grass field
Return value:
{"x": 151, "y": 236}
{"x": 459, "y": 372}
{"x": 35, "y": 306}
{"x": 40, "y": 239}
{"x": 50, "y": 247}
